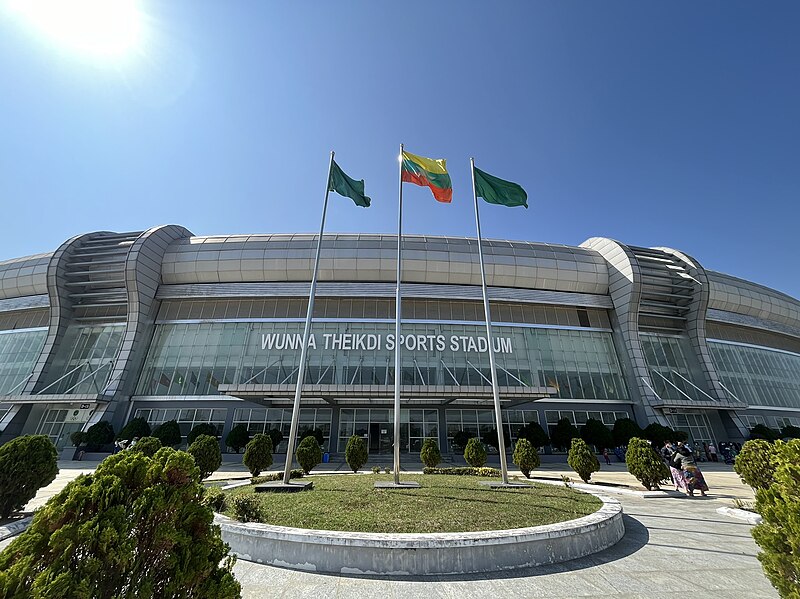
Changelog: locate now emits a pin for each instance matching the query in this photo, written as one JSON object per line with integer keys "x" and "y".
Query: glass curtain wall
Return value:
{"x": 673, "y": 371}
{"x": 262, "y": 420}
{"x": 376, "y": 427}
{"x": 480, "y": 422}
{"x": 19, "y": 351}
{"x": 88, "y": 351}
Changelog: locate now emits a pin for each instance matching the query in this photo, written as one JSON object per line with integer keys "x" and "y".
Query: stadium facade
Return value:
{"x": 166, "y": 325}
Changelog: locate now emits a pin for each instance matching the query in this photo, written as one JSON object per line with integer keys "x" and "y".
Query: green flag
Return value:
{"x": 347, "y": 187}
{"x": 498, "y": 191}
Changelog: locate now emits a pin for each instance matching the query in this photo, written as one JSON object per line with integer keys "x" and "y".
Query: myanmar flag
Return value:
{"x": 428, "y": 173}
{"x": 499, "y": 191}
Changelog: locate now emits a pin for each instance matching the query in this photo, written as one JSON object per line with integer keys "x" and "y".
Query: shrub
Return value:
{"x": 313, "y": 432}
{"x": 526, "y": 457}
{"x": 563, "y": 434}
{"x": 645, "y": 464}
{"x": 168, "y": 433}
{"x": 78, "y": 438}
{"x": 99, "y": 435}
{"x": 355, "y": 453}
{"x": 137, "y": 427}
{"x": 582, "y": 459}
{"x": 624, "y": 430}
{"x": 778, "y": 535}
{"x": 790, "y": 432}
{"x": 475, "y": 453}
{"x": 246, "y": 508}
{"x": 535, "y": 434}
{"x": 760, "y": 431}
{"x": 206, "y": 454}
{"x": 430, "y": 454}
{"x": 149, "y": 446}
{"x": 237, "y": 438}
{"x": 387, "y": 470}
{"x": 26, "y": 465}
{"x": 258, "y": 454}
{"x": 136, "y": 527}
{"x": 257, "y": 480}
{"x": 376, "y": 470}
{"x": 204, "y": 428}
{"x": 755, "y": 463}
{"x": 490, "y": 438}
{"x": 308, "y": 454}
{"x": 460, "y": 439}
{"x": 596, "y": 433}
{"x": 658, "y": 434}
{"x": 276, "y": 437}
{"x": 462, "y": 471}
{"x": 215, "y": 499}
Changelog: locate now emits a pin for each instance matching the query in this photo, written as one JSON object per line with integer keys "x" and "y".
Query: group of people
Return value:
{"x": 683, "y": 468}
{"x": 121, "y": 444}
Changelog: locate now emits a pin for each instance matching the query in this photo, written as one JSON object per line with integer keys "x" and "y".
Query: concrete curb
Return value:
{"x": 406, "y": 554}
{"x": 618, "y": 491}
{"x": 733, "y": 512}
{"x": 14, "y": 528}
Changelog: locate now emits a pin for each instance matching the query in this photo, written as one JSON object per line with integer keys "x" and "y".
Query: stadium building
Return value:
{"x": 164, "y": 325}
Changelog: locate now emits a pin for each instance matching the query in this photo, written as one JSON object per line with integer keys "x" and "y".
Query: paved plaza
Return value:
{"x": 672, "y": 547}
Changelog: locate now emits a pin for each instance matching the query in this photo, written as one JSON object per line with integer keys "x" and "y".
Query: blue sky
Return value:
{"x": 659, "y": 124}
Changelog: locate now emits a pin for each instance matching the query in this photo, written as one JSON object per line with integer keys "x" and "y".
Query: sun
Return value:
{"x": 108, "y": 29}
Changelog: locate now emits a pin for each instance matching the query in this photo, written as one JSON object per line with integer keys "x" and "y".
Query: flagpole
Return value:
{"x": 306, "y": 333}
{"x": 495, "y": 392}
{"x": 397, "y": 308}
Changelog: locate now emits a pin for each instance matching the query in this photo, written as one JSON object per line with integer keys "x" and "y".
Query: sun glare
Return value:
{"x": 97, "y": 28}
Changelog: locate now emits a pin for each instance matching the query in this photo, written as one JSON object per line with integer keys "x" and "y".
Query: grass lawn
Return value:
{"x": 442, "y": 504}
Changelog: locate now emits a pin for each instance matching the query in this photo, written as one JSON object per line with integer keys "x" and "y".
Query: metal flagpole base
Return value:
{"x": 501, "y": 485}
{"x": 279, "y": 486}
{"x": 409, "y": 484}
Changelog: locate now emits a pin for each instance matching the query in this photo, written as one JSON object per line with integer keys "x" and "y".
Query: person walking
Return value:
{"x": 705, "y": 451}
{"x": 668, "y": 455}
{"x": 605, "y": 455}
{"x": 692, "y": 476}
{"x": 713, "y": 451}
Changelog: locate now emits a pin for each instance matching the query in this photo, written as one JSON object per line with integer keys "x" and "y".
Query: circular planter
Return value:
{"x": 406, "y": 554}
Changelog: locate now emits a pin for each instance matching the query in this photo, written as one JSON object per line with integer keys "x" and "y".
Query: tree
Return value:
{"x": 624, "y": 430}
{"x": 526, "y": 457}
{"x": 355, "y": 454}
{"x": 596, "y": 433}
{"x": 791, "y": 432}
{"x": 149, "y": 446}
{"x": 137, "y": 527}
{"x": 26, "y": 465}
{"x": 490, "y": 438}
{"x": 475, "y": 453}
{"x": 99, "y": 435}
{"x": 755, "y": 464}
{"x": 534, "y": 433}
{"x": 430, "y": 454}
{"x": 309, "y": 454}
{"x": 645, "y": 464}
{"x": 582, "y": 459}
{"x": 460, "y": 439}
{"x": 658, "y": 434}
{"x": 206, "y": 454}
{"x": 778, "y": 535}
{"x": 563, "y": 433}
{"x": 761, "y": 431}
{"x": 78, "y": 438}
{"x": 313, "y": 432}
{"x": 258, "y": 454}
{"x": 276, "y": 436}
{"x": 238, "y": 437}
{"x": 204, "y": 428}
{"x": 137, "y": 427}
{"x": 168, "y": 433}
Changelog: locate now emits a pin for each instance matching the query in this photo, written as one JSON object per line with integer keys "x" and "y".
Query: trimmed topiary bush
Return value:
{"x": 778, "y": 535}
{"x": 596, "y": 433}
{"x": 237, "y": 438}
{"x": 563, "y": 434}
{"x": 137, "y": 427}
{"x": 755, "y": 463}
{"x": 206, "y": 454}
{"x": 78, "y": 438}
{"x": 149, "y": 446}
{"x": 624, "y": 430}
{"x": 582, "y": 459}
{"x": 430, "y": 454}
{"x": 168, "y": 433}
{"x": 534, "y": 433}
{"x": 99, "y": 435}
{"x": 645, "y": 464}
{"x": 761, "y": 431}
{"x": 526, "y": 457}
{"x": 258, "y": 454}
{"x": 309, "y": 454}
{"x": 26, "y": 465}
{"x": 475, "y": 453}
{"x": 355, "y": 453}
{"x": 204, "y": 428}
{"x": 246, "y": 508}
{"x": 136, "y": 527}
{"x": 276, "y": 437}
